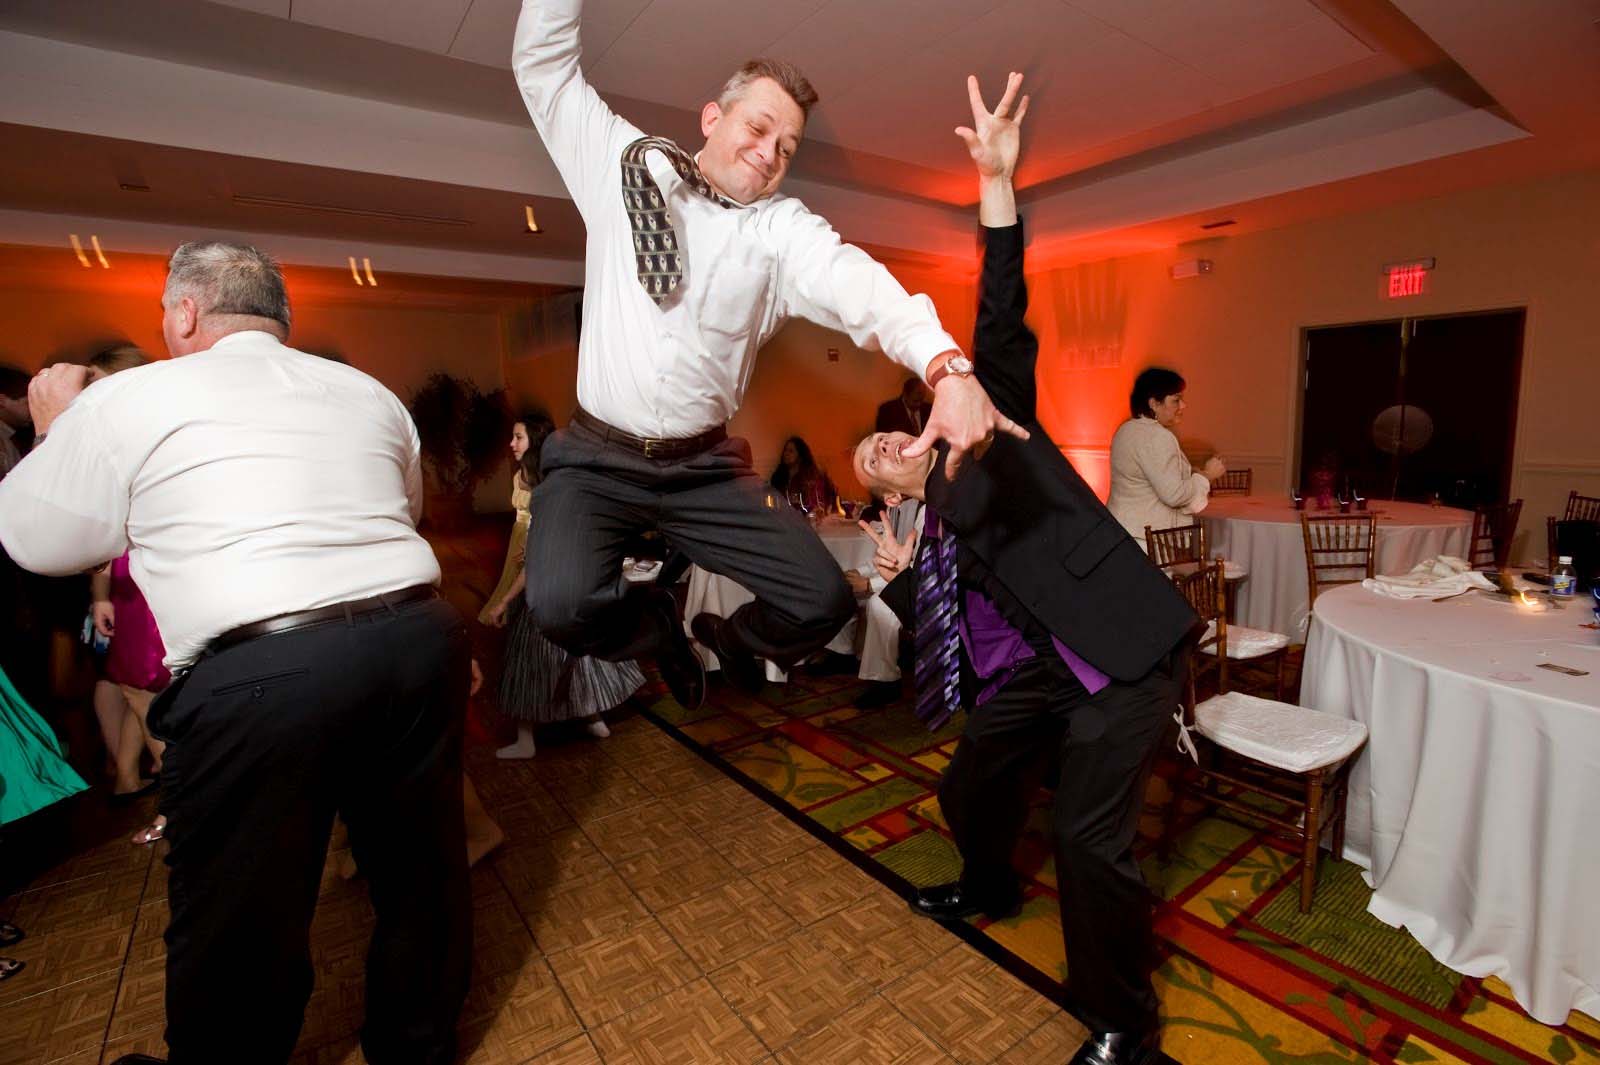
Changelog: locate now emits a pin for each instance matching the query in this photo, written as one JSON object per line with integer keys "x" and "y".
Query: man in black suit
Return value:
{"x": 907, "y": 412}
{"x": 1056, "y": 633}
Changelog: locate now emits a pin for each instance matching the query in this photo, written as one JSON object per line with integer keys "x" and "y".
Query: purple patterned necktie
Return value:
{"x": 657, "y": 249}
{"x": 938, "y": 636}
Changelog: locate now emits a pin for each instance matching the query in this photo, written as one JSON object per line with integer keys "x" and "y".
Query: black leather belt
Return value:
{"x": 302, "y": 619}
{"x": 651, "y": 447}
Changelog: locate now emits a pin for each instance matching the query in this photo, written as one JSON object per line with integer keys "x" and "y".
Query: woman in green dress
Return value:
{"x": 33, "y": 774}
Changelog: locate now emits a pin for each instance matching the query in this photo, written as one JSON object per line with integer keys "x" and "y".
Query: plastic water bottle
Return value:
{"x": 1564, "y": 581}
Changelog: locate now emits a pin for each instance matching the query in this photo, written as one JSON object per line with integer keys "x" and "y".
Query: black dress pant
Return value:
{"x": 712, "y": 507}
{"x": 1107, "y": 744}
{"x": 266, "y": 741}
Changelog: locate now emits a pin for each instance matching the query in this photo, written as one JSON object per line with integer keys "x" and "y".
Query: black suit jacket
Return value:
{"x": 894, "y": 418}
{"x": 1052, "y": 548}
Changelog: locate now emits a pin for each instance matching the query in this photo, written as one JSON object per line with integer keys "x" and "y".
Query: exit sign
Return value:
{"x": 1406, "y": 279}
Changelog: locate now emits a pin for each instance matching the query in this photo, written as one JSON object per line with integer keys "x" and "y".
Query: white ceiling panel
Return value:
{"x": 1184, "y": 27}
{"x": 678, "y": 52}
{"x": 426, "y": 24}
{"x": 279, "y": 8}
{"x": 485, "y": 35}
{"x": 1282, "y": 57}
{"x": 1070, "y": 59}
{"x": 849, "y": 42}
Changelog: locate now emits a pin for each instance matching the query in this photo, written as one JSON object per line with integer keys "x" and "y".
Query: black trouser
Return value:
{"x": 710, "y": 506}
{"x": 266, "y": 741}
{"x": 1108, "y": 744}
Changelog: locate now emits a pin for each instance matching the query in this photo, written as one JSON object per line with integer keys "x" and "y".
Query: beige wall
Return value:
{"x": 400, "y": 346}
{"x": 1235, "y": 335}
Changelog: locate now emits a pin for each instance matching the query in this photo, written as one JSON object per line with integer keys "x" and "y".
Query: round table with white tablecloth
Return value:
{"x": 1263, "y": 533}
{"x": 713, "y": 593}
{"x": 1474, "y": 803}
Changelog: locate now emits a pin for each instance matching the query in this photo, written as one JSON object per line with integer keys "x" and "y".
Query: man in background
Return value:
{"x": 906, "y": 413}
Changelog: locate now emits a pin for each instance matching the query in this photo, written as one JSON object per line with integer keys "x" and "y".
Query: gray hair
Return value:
{"x": 786, "y": 74}
{"x": 224, "y": 278}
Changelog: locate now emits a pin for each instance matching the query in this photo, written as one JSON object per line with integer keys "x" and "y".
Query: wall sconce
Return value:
{"x": 355, "y": 273}
{"x": 77, "y": 249}
{"x": 527, "y": 210}
{"x": 98, "y": 253}
{"x": 371, "y": 280}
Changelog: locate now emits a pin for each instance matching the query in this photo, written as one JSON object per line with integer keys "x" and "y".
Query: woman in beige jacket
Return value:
{"x": 1152, "y": 482}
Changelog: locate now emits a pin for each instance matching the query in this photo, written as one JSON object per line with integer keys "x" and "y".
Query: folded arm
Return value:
{"x": 1171, "y": 477}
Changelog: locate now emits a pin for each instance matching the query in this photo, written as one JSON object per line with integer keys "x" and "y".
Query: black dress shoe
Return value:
{"x": 879, "y": 693}
{"x": 739, "y": 666}
{"x": 680, "y": 667}
{"x": 952, "y": 902}
{"x": 139, "y": 1059}
{"x": 1120, "y": 1048}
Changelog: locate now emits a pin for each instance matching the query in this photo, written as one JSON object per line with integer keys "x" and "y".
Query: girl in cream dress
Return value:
{"x": 539, "y": 682}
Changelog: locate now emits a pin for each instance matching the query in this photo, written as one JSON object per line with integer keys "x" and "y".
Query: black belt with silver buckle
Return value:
{"x": 302, "y": 619}
{"x": 651, "y": 447}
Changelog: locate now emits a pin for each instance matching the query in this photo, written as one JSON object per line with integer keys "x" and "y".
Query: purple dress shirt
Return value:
{"x": 995, "y": 647}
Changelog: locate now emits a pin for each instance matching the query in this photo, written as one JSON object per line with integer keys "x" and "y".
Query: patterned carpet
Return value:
{"x": 1244, "y": 977}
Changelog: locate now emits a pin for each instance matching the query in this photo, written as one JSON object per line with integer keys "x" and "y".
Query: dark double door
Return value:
{"x": 1412, "y": 407}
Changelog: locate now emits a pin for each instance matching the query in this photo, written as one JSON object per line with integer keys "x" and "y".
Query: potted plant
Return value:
{"x": 463, "y": 432}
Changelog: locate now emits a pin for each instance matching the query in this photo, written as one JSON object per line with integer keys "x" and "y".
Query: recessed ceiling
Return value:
{"x": 1147, "y": 113}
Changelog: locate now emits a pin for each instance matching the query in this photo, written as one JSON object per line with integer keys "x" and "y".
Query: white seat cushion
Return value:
{"x": 1282, "y": 735}
{"x": 1244, "y": 642}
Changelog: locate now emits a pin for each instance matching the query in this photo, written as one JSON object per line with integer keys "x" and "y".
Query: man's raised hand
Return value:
{"x": 995, "y": 137}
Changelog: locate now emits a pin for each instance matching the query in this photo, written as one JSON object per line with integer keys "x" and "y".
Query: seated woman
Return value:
{"x": 1152, "y": 482}
{"x": 800, "y": 480}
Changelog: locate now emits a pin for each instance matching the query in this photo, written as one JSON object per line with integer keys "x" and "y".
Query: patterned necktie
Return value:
{"x": 938, "y": 636}
{"x": 656, "y": 248}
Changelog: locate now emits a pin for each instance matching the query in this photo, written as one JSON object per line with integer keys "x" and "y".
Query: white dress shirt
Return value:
{"x": 250, "y": 480}
{"x": 1152, "y": 481}
{"x": 680, "y": 369}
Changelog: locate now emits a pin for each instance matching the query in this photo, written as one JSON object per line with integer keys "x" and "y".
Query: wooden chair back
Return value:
{"x": 1233, "y": 482}
{"x": 1493, "y": 528}
{"x": 1179, "y": 545}
{"x": 1207, "y": 593}
{"x": 1340, "y": 549}
{"x": 1582, "y": 508}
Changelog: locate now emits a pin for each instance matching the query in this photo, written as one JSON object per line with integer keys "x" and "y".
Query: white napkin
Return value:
{"x": 1431, "y": 579}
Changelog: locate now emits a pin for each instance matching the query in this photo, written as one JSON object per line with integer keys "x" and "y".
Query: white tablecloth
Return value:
{"x": 1475, "y": 804}
{"x": 1263, "y": 532}
{"x": 719, "y": 595}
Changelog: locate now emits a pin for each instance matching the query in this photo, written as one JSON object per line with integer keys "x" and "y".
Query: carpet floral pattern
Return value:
{"x": 1243, "y": 976}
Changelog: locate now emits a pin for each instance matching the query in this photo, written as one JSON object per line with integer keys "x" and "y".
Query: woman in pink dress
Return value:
{"x": 133, "y": 662}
